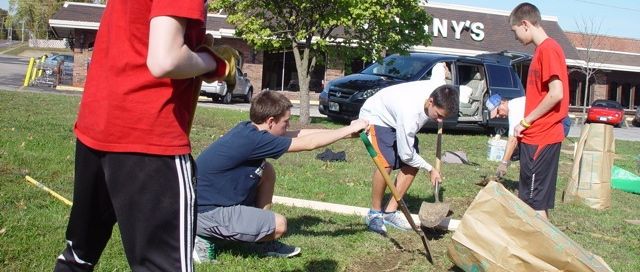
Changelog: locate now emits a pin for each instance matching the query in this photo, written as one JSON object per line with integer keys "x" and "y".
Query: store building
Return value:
{"x": 460, "y": 30}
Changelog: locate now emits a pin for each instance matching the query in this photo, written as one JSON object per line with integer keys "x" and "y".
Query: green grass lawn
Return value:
{"x": 19, "y": 48}
{"x": 36, "y": 139}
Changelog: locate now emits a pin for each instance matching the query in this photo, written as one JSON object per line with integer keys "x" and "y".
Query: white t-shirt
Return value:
{"x": 516, "y": 113}
{"x": 401, "y": 107}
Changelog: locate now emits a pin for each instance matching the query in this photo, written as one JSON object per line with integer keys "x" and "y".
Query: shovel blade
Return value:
{"x": 431, "y": 214}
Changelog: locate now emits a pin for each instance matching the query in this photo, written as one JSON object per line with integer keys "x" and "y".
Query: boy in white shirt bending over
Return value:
{"x": 395, "y": 115}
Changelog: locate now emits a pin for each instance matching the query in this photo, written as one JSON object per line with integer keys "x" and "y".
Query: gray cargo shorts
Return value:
{"x": 236, "y": 223}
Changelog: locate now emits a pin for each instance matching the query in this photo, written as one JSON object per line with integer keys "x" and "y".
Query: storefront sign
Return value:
{"x": 441, "y": 28}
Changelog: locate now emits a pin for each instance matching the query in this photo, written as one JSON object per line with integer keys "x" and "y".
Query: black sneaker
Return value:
{"x": 275, "y": 249}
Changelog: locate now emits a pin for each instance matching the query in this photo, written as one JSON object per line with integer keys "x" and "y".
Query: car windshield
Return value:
{"x": 606, "y": 104}
{"x": 401, "y": 67}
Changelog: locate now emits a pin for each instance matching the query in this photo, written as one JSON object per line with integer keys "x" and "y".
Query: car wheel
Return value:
{"x": 226, "y": 99}
{"x": 501, "y": 130}
{"x": 247, "y": 97}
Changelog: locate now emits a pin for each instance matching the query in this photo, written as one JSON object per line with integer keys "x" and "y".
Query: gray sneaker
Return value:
{"x": 204, "y": 251}
{"x": 397, "y": 220}
{"x": 375, "y": 222}
{"x": 275, "y": 249}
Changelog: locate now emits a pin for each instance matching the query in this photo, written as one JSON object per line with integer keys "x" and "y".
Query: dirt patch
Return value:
{"x": 398, "y": 258}
{"x": 407, "y": 254}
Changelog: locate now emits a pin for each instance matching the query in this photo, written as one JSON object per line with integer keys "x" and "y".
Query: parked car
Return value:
{"x": 218, "y": 89}
{"x": 50, "y": 64}
{"x": 636, "y": 119}
{"x": 605, "y": 111}
{"x": 478, "y": 77}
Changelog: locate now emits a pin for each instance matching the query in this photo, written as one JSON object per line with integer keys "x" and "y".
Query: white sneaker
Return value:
{"x": 203, "y": 251}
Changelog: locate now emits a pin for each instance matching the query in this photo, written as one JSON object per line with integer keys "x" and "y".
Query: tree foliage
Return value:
{"x": 35, "y": 15}
{"x": 3, "y": 17}
{"x": 336, "y": 28}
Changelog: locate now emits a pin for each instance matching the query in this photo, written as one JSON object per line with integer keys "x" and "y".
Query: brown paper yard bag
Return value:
{"x": 590, "y": 181}
{"x": 499, "y": 232}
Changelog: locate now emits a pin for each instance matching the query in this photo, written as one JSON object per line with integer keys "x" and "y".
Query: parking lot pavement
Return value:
{"x": 624, "y": 133}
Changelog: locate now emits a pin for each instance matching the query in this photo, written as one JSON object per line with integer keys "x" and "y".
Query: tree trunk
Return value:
{"x": 302, "y": 65}
{"x": 587, "y": 75}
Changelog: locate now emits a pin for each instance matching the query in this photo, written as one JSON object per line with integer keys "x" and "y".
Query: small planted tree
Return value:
{"x": 589, "y": 40}
{"x": 335, "y": 28}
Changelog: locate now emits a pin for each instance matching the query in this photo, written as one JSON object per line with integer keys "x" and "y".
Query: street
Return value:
{"x": 13, "y": 71}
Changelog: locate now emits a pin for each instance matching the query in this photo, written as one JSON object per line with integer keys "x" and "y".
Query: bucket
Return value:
{"x": 496, "y": 149}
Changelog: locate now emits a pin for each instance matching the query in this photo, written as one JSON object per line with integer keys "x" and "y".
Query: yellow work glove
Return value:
{"x": 226, "y": 58}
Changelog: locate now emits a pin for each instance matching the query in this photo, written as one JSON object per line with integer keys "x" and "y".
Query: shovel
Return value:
{"x": 396, "y": 196}
{"x": 431, "y": 214}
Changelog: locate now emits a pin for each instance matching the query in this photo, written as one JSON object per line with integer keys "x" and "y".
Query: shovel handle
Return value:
{"x": 396, "y": 196}
{"x": 439, "y": 146}
{"x": 380, "y": 166}
{"x": 436, "y": 187}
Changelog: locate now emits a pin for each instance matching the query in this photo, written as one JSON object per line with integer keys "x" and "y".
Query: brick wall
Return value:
{"x": 81, "y": 60}
{"x": 331, "y": 74}
{"x": 254, "y": 73}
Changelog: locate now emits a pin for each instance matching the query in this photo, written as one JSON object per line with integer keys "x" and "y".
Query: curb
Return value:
{"x": 312, "y": 102}
{"x": 69, "y": 88}
{"x": 448, "y": 223}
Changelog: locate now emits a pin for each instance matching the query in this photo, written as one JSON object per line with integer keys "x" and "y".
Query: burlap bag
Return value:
{"x": 590, "y": 181}
{"x": 499, "y": 232}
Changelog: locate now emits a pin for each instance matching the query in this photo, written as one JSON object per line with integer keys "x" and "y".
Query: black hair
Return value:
{"x": 446, "y": 97}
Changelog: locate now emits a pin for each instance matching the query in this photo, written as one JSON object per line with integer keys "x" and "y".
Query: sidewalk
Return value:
{"x": 295, "y": 97}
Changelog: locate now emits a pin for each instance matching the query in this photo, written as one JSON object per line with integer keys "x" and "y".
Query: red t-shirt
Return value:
{"x": 548, "y": 60}
{"x": 124, "y": 108}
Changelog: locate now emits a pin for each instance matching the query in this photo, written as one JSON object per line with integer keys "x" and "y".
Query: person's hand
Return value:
{"x": 358, "y": 126}
{"x": 435, "y": 177}
{"x": 226, "y": 58}
{"x": 517, "y": 131}
{"x": 501, "y": 171}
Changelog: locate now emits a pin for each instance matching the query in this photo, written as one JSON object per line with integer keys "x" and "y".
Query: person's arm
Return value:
{"x": 323, "y": 138}
{"x": 553, "y": 97}
{"x": 506, "y": 158}
{"x": 512, "y": 142}
{"x": 168, "y": 55}
{"x": 405, "y": 138}
{"x": 304, "y": 132}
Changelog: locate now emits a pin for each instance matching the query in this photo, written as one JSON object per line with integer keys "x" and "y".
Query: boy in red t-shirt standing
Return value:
{"x": 540, "y": 132}
{"x": 133, "y": 164}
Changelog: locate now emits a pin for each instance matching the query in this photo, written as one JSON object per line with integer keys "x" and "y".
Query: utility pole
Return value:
{"x": 22, "y": 32}
{"x": 283, "y": 65}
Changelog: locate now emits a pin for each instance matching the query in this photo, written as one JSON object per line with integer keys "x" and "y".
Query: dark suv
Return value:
{"x": 478, "y": 77}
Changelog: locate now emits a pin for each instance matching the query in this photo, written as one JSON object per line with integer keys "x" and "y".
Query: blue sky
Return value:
{"x": 615, "y": 17}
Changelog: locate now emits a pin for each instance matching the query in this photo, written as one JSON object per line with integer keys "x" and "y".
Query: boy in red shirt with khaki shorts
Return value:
{"x": 540, "y": 132}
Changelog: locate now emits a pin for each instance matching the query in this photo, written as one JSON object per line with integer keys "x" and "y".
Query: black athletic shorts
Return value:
{"x": 538, "y": 175}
